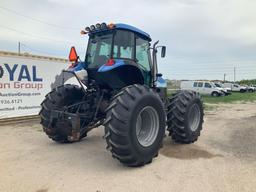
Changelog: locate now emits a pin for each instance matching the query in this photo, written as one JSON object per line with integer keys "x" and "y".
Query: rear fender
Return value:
{"x": 120, "y": 74}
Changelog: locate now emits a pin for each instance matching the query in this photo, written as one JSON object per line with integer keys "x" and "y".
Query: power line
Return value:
{"x": 36, "y": 50}
{"x": 216, "y": 67}
{"x": 207, "y": 63}
{"x": 205, "y": 72}
{"x": 204, "y": 57}
{"x": 211, "y": 72}
{"x": 37, "y": 20}
{"x": 19, "y": 44}
{"x": 35, "y": 36}
{"x": 221, "y": 69}
{"x": 234, "y": 74}
{"x": 219, "y": 66}
{"x": 209, "y": 60}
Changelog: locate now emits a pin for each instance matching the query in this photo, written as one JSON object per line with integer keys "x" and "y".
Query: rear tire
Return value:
{"x": 185, "y": 116}
{"x": 57, "y": 99}
{"x": 135, "y": 125}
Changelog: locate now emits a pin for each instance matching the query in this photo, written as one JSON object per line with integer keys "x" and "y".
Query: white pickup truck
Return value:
{"x": 202, "y": 87}
{"x": 226, "y": 90}
{"x": 235, "y": 87}
{"x": 250, "y": 88}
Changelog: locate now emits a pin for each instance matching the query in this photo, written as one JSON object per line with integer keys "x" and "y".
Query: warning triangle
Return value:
{"x": 72, "y": 54}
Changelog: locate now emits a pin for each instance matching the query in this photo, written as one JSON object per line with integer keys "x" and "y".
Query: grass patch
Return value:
{"x": 234, "y": 97}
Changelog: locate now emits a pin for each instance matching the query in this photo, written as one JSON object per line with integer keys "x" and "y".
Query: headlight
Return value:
{"x": 92, "y": 28}
{"x": 103, "y": 26}
{"x": 98, "y": 26}
{"x": 88, "y": 29}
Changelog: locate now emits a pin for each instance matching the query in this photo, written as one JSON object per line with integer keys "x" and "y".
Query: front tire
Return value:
{"x": 58, "y": 99}
{"x": 135, "y": 125}
{"x": 215, "y": 94}
{"x": 185, "y": 116}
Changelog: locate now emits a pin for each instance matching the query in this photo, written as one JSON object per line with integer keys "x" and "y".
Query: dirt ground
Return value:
{"x": 223, "y": 159}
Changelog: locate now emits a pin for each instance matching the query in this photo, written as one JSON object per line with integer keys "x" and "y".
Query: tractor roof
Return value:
{"x": 133, "y": 29}
{"x": 103, "y": 27}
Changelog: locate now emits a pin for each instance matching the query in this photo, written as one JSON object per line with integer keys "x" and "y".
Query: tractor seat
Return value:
{"x": 100, "y": 60}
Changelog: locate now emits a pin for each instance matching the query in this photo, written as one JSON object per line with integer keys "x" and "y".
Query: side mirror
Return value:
{"x": 163, "y": 52}
{"x": 73, "y": 57}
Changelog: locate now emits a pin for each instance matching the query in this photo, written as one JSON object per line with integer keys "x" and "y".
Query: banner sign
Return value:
{"x": 24, "y": 82}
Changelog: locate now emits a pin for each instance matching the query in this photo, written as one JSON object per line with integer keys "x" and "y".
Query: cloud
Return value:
{"x": 196, "y": 32}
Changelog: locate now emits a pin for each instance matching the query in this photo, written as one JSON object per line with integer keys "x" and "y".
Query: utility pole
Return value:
{"x": 19, "y": 47}
{"x": 234, "y": 74}
{"x": 224, "y": 77}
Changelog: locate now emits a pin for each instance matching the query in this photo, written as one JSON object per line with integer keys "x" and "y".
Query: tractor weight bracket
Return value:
{"x": 74, "y": 120}
{"x": 75, "y": 133}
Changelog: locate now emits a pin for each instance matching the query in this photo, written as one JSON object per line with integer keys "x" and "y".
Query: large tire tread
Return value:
{"x": 57, "y": 99}
{"x": 117, "y": 134}
{"x": 176, "y": 118}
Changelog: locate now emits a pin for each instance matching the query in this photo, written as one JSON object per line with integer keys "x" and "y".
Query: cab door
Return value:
{"x": 142, "y": 58}
{"x": 200, "y": 87}
{"x": 207, "y": 88}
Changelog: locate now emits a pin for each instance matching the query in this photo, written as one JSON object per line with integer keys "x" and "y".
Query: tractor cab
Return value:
{"x": 118, "y": 55}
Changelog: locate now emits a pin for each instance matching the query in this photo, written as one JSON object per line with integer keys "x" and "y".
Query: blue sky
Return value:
{"x": 204, "y": 38}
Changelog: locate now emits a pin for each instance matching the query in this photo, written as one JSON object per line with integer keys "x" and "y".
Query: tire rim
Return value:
{"x": 147, "y": 126}
{"x": 194, "y": 117}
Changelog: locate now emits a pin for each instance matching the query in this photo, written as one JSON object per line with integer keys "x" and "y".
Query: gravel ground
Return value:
{"x": 223, "y": 159}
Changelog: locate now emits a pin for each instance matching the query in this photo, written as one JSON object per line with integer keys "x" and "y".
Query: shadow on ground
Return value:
{"x": 192, "y": 151}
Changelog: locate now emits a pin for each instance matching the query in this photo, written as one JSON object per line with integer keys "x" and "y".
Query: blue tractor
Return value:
{"x": 121, "y": 89}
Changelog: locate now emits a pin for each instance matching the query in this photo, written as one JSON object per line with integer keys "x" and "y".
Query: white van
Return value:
{"x": 235, "y": 87}
{"x": 202, "y": 87}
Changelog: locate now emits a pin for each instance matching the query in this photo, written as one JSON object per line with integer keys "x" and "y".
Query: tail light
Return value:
{"x": 110, "y": 62}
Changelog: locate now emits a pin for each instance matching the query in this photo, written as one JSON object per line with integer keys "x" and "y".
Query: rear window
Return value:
{"x": 99, "y": 50}
{"x": 195, "y": 84}
{"x": 123, "y": 44}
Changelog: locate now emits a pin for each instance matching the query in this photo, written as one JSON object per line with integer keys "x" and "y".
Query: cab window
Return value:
{"x": 99, "y": 50}
{"x": 207, "y": 85}
{"x": 142, "y": 57}
{"x": 123, "y": 45}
